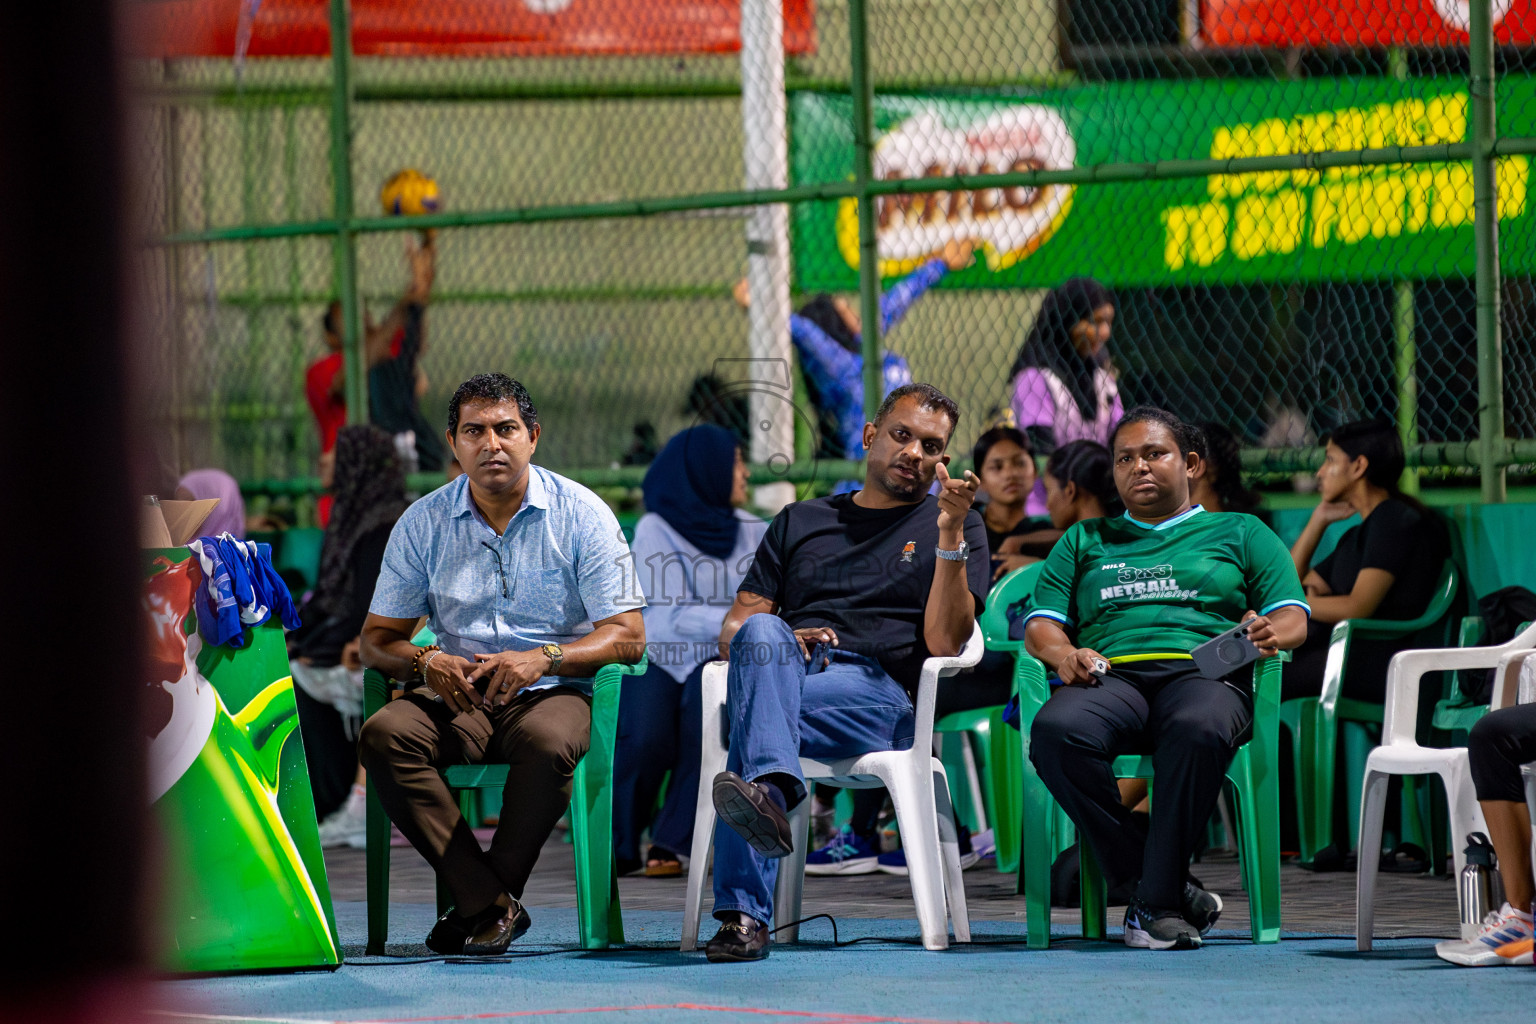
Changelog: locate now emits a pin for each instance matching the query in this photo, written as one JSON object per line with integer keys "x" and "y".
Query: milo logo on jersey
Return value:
{"x": 1133, "y": 583}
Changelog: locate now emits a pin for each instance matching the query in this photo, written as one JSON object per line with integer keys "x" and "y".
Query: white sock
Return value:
{"x": 358, "y": 798}
{"x": 1522, "y": 915}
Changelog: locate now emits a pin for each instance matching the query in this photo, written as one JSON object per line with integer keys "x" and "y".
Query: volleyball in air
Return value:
{"x": 410, "y": 193}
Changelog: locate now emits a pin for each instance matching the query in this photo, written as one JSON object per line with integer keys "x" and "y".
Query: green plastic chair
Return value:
{"x": 1255, "y": 789}
{"x": 1315, "y": 722}
{"x": 598, "y": 915}
{"x": 1005, "y": 768}
{"x": 299, "y": 550}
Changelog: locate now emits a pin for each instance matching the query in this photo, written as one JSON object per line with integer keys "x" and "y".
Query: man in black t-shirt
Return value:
{"x": 845, "y": 599}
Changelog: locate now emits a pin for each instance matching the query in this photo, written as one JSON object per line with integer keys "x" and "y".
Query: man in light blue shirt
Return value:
{"x": 528, "y": 584}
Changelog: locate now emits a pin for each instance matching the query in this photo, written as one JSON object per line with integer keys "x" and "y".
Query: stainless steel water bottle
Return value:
{"x": 1480, "y": 890}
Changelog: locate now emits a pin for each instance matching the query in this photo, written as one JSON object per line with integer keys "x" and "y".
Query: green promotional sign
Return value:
{"x": 244, "y": 884}
{"x": 1347, "y": 223}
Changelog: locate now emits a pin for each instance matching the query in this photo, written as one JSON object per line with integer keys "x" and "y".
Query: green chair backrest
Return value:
{"x": 1006, "y": 592}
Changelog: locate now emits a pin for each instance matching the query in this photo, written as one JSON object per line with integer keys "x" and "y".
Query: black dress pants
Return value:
{"x": 1190, "y": 725}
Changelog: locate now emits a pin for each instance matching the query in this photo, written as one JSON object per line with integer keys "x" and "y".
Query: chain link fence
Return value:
{"x": 1279, "y": 302}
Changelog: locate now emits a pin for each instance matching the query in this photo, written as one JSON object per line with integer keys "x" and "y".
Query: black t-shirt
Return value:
{"x": 863, "y": 572}
{"x": 1029, "y": 524}
{"x": 1398, "y": 539}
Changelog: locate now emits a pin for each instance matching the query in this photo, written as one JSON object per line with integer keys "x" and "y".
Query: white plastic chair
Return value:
{"x": 919, "y": 790}
{"x": 1401, "y": 754}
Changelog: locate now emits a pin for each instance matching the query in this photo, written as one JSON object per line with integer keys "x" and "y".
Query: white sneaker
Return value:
{"x": 346, "y": 826}
{"x": 1505, "y": 938}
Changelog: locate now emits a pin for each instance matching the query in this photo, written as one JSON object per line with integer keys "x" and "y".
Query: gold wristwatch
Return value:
{"x": 555, "y": 656}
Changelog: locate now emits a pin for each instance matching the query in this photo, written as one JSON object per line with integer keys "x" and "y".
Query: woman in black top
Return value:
{"x": 1006, "y": 467}
{"x": 1384, "y": 568}
{"x": 369, "y": 490}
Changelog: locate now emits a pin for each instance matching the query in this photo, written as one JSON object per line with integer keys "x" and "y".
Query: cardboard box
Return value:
{"x": 170, "y": 524}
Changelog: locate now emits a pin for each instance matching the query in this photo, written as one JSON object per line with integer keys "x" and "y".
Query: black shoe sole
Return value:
{"x": 733, "y": 802}
{"x": 520, "y": 928}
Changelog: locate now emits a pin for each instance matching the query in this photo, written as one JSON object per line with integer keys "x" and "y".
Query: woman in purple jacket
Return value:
{"x": 1062, "y": 385}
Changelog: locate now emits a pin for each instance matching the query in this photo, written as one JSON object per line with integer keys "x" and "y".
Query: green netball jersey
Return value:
{"x": 1132, "y": 591}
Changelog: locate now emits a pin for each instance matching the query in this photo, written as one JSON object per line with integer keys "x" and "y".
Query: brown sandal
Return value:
{"x": 661, "y": 862}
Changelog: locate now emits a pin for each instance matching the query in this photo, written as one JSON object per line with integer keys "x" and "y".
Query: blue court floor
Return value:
{"x": 885, "y": 976}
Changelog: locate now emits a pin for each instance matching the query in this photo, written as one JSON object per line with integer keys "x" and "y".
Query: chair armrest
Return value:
{"x": 1507, "y": 688}
{"x": 1400, "y": 716}
{"x": 613, "y": 673}
{"x": 928, "y": 684}
{"x": 1350, "y": 630}
{"x": 375, "y": 691}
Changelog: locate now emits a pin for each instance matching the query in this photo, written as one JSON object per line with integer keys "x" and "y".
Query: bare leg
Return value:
{"x": 1509, "y": 826}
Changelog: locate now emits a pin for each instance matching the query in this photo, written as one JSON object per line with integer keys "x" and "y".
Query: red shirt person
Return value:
{"x": 325, "y": 380}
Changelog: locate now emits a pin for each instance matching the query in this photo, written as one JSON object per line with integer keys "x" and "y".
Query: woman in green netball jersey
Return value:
{"x": 1120, "y": 604}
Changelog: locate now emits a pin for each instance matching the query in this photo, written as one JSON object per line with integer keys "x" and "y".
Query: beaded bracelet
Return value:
{"x": 417, "y": 664}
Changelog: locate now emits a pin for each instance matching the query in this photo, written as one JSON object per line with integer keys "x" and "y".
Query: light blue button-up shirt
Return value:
{"x": 560, "y": 565}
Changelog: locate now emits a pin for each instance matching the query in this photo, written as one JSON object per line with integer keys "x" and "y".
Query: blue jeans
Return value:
{"x": 658, "y": 732}
{"x": 780, "y": 708}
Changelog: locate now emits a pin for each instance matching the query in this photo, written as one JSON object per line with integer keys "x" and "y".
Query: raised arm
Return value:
{"x": 950, "y": 613}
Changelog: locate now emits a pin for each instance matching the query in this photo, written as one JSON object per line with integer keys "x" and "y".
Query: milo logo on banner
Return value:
{"x": 1004, "y": 224}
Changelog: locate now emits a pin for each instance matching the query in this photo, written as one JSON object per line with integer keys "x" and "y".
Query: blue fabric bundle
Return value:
{"x": 240, "y": 589}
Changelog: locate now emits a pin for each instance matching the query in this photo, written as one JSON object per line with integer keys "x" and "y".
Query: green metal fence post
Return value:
{"x": 863, "y": 173}
{"x": 1405, "y": 350}
{"x": 1485, "y": 197}
{"x": 345, "y": 245}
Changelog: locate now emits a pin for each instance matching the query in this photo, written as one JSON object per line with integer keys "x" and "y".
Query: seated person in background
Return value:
{"x": 846, "y": 598}
{"x": 1500, "y": 743}
{"x": 692, "y": 548}
{"x": 1119, "y": 605}
{"x": 1218, "y": 484}
{"x": 1079, "y": 484}
{"x": 369, "y": 489}
{"x": 1384, "y": 568}
{"x": 1062, "y": 381}
{"x": 1006, "y": 467}
{"x": 530, "y": 589}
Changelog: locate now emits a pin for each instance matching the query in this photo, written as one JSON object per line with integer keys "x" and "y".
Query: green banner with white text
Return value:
{"x": 1395, "y": 222}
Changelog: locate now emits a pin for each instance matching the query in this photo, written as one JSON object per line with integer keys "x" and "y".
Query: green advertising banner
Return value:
{"x": 1351, "y": 223}
{"x": 244, "y": 884}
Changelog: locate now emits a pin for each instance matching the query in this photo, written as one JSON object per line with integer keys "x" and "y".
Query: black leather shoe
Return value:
{"x": 747, "y": 808}
{"x": 448, "y": 935}
{"x": 740, "y": 940}
{"x": 497, "y": 930}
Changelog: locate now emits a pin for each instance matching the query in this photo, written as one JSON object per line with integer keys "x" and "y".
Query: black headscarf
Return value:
{"x": 368, "y": 492}
{"x": 1048, "y": 345}
{"x": 689, "y": 485}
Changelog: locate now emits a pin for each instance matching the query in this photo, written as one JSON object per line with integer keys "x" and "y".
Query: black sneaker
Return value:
{"x": 1200, "y": 908}
{"x": 1150, "y": 928}
{"x": 738, "y": 941}
{"x": 748, "y": 809}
